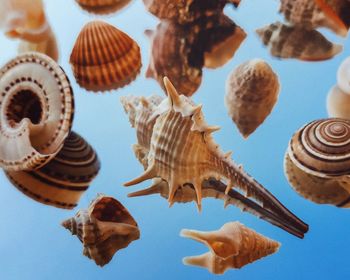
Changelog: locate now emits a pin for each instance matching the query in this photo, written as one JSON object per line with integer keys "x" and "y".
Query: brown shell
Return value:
{"x": 104, "y": 58}
{"x": 102, "y": 7}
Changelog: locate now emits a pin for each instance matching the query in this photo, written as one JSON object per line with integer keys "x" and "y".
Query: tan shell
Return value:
{"x": 338, "y": 103}
{"x": 104, "y": 228}
{"x": 36, "y": 111}
{"x": 285, "y": 41}
{"x": 343, "y": 76}
{"x": 64, "y": 179}
{"x": 102, "y": 7}
{"x": 251, "y": 92}
{"x": 104, "y": 58}
{"x": 232, "y": 246}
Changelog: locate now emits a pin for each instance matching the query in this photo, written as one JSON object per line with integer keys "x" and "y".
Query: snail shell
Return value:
{"x": 36, "y": 111}
{"x": 338, "y": 103}
{"x": 102, "y": 7}
{"x": 343, "y": 76}
{"x": 104, "y": 58}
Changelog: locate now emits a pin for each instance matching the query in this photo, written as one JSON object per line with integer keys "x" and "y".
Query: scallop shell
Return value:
{"x": 251, "y": 93}
{"x": 232, "y": 246}
{"x": 338, "y": 103}
{"x": 285, "y": 41}
{"x": 343, "y": 76}
{"x": 102, "y": 7}
{"x": 104, "y": 228}
{"x": 64, "y": 179}
{"x": 36, "y": 111}
{"x": 104, "y": 58}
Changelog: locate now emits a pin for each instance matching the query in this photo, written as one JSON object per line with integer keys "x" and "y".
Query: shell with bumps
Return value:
{"x": 104, "y": 228}
{"x": 36, "y": 111}
{"x": 102, "y": 7}
{"x": 251, "y": 92}
{"x": 232, "y": 246}
{"x": 104, "y": 58}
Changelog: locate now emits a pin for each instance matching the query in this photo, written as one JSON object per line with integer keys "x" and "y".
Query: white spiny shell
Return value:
{"x": 338, "y": 103}
{"x": 343, "y": 76}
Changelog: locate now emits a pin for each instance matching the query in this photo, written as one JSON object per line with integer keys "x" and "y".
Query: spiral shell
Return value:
{"x": 36, "y": 111}
{"x": 338, "y": 103}
{"x": 102, "y": 7}
{"x": 104, "y": 58}
{"x": 343, "y": 76}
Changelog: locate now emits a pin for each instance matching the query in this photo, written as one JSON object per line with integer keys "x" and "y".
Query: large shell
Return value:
{"x": 36, "y": 111}
{"x": 104, "y": 58}
{"x": 104, "y": 228}
{"x": 102, "y": 7}
{"x": 284, "y": 41}
{"x": 251, "y": 93}
{"x": 343, "y": 76}
{"x": 232, "y": 246}
{"x": 64, "y": 179}
{"x": 338, "y": 103}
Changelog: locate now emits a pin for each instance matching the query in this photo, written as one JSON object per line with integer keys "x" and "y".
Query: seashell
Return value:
{"x": 63, "y": 180}
{"x": 317, "y": 162}
{"x": 338, "y": 103}
{"x": 343, "y": 76}
{"x": 251, "y": 92}
{"x": 232, "y": 246}
{"x": 104, "y": 58}
{"x": 104, "y": 228}
{"x": 285, "y": 41}
{"x": 197, "y": 159}
{"x": 36, "y": 111}
{"x": 102, "y": 7}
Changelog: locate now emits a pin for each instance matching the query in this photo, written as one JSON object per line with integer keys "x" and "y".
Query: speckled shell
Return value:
{"x": 104, "y": 58}
{"x": 102, "y": 7}
{"x": 232, "y": 246}
{"x": 343, "y": 76}
{"x": 251, "y": 92}
{"x": 104, "y": 228}
{"x": 338, "y": 103}
{"x": 285, "y": 41}
{"x": 36, "y": 111}
{"x": 64, "y": 179}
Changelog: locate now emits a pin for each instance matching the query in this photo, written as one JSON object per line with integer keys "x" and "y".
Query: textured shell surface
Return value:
{"x": 343, "y": 76}
{"x": 232, "y": 246}
{"x": 251, "y": 92}
{"x": 63, "y": 180}
{"x": 104, "y": 228}
{"x": 338, "y": 103}
{"x": 284, "y": 41}
{"x": 36, "y": 111}
{"x": 104, "y": 58}
{"x": 102, "y": 7}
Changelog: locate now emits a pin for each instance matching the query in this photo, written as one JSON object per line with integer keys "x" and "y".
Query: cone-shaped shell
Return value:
{"x": 102, "y": 7}
{"x": 104, "y": 58}
{"x": 36, "y": 111}
{"x": 343, "y": 76}
{"x": 338, "y": 103}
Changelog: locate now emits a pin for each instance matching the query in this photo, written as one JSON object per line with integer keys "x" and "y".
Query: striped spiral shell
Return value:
{"x": 102, "y": 7}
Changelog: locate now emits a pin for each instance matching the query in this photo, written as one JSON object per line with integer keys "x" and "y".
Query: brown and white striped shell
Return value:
{"x": 251, "y": 92}
{"x": 104, "y": 58}
{"x": 232, "y": 246}
{"x": 102, "y": 7}
{"x": 63, "y": 180}
{"x": 343, "y": 76}
{"x": 284, "y": 41}
{"x": 338, "y": 103}
{"x": 36, "y": 111}
{"x": 104, "y": 228}
{"x": 317, "y": 162}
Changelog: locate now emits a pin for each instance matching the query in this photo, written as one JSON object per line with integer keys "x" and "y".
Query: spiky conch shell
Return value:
{"x": 63, "y": 180}
{"x": 102, "y": 7}
{"x": 104, "y": 58}
{"x": 104, "y": 228}
{"x": 338, "y": 103}
{"x": 317, "y": 161}
{"x": 36, "y": 111}
{"x": 284, "y": 41}
{"x": 232, "y": 246}
{"x": 251, "y": 93}
{"x": 343, "y": 76}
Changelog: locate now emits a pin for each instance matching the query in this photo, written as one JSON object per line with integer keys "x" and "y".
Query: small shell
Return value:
{"x": 285, "y": 41}
{"x": 102, "y": 7}
{"x": 104, "y": 228}
{"x": 251, "y": 93}
{"x": 232, "y": 246}
{"x": 343, "y": 76}
{"x": 104, "y": 58}
{"x": 338, "y": 104}
{"x": 64, "y": 179}
{"x": 36, "y": 111}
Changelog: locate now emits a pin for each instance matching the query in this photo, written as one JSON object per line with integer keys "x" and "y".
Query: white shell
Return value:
{"x": 338, "y": 103}
{"x": 343, "y": 76}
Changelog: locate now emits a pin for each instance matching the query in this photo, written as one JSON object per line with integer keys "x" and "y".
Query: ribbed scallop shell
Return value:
{"x": 343, "y": 76}
{"x": 64, "y": 179}
{"x": 251, "y": 93}
{"x": 102, "y": 7}
{"x": 338, "y": 103}
{"x": 104, "y": 228}
{"x": 104, "y": 58}
{"x": 232, "y": 246}
{"x": 285, "y": 41}
{"x": 36, "y": 111}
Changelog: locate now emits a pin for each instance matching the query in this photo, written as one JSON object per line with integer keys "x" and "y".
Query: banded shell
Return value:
{"x": 343, "y": 76}
{"x": 102, "y": 7}
{"x": 232, "y": 246}
{"x": 285, "y": 41}
{"x": 338, "y": 103}
{"x": 317, "y": 162}
{"x": 104, "y": 228}
{"x": 36, "y": 111}
{"x": 64, "y": 179}
{"x": 251, "y": 92}
{"x": 104, "y": 58}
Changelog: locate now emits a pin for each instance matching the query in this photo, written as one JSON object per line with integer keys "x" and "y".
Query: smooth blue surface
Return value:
{"x": 33, "y": 245}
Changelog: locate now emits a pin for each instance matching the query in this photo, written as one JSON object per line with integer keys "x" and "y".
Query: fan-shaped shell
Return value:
{"x": 338, "y": 103}
{"x": 251, "y": 93}
{"x": 36, "y": 111}
{"x": 343, "y": 76}
{"x": 102, "y": 7}
{"x": 104, "y": 58}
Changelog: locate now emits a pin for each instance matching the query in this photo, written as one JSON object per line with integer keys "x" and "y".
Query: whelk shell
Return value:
{"x": 104, "y": 58}
{"x": 102, "y": 7}
{"x": 338, "y": 103}
{"x": 343, "y": 76}
{"x": 36, "y": 111}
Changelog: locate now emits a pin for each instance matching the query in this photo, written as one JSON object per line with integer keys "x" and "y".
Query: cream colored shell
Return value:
{"x": 338, "y": 103}
{"x": 343, "y": 76}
